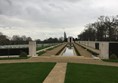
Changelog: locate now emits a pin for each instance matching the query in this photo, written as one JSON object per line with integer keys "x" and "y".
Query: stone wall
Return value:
{"x": 103, "y": 47}
{"x": 104, "y": 50}
{"x": 15, "y": 50}
{"x": 32, "y": 49}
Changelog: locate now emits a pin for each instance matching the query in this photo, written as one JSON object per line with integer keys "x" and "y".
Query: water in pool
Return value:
{"x": 69, "y": 51}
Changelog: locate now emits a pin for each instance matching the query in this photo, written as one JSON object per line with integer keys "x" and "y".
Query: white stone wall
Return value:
{"x": 103, "y": 47}
{"x": 92, "y": 44}
{"x": 88, "y": 43}
{"x": 32, "y": 49}
{"x": 104, "y": 50}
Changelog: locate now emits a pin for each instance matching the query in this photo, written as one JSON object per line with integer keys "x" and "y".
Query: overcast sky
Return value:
{"x": 50, "y": 18}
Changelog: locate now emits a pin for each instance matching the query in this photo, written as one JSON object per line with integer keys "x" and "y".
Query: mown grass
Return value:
{"x": 42, "y": 47}
{"x": 24, "y": 72}
{"x": 14, "y": 58}
{"x": 41, "y": 52}
{"x": 111, "y": 60}
{"x": 52, "y": 48}
{"x": 84, "y": 73}
{"x": 49, "y": 49}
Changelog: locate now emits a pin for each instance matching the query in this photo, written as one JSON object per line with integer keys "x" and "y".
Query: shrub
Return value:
{"x": 113, "y": 56}
{"x": 23, "y": 54}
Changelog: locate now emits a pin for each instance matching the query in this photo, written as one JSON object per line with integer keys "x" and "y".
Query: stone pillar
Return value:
{"x": 104, "y": 50}
{"x": 32, "y": 49}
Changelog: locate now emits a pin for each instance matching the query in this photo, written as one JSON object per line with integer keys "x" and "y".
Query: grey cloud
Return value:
{"x": 9, "y": 1}
{"x": 52, "y": 15}
{"x": 73, "y": 0}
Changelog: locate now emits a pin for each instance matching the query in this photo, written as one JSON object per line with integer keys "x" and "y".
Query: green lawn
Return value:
{"x": 112, "y": 60}
{"x": 14, "y": 58}
{"x": 52, "y": 48}
{"x": 42, "y": 47}
{"x": 84, "y": 73}
{"x": 24, "y": 72}
{"x": 41, "y": 52}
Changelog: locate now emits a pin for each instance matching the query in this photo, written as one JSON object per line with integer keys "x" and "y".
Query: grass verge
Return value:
{"x": 84, "y": 73}
{"x": 53, "y": 47}
{"x": 111, "y": 60}
{"x": 24, "y": 72}
{"x": 41, "y": 52}
{"x": 14, "y": 58}
{"x": 42, "y": 47}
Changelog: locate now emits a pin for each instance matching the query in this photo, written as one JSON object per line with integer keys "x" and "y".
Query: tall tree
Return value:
{"x": 104, "y": 29}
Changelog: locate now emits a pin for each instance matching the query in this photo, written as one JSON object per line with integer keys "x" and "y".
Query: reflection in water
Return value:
{"x": 69, "y": 51}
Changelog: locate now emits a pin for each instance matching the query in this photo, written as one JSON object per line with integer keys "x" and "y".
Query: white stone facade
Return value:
{"x": 32, "y": 49}
{"x": 104, "y": 50}
{"x": 103, "y": 47}
{"x": 70, "y": 40}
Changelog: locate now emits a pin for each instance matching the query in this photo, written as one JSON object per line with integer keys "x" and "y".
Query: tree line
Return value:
{"x": 50, "y": 40}
{"x": 16, "y": 39}
{"x": 104, "y": 29}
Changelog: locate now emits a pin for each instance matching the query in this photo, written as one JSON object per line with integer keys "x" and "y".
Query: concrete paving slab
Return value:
{"x": 57, "y": 75}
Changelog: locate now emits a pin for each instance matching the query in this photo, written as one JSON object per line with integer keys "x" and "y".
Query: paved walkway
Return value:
{"x": 82, "y": 51}
{"x": 57, "y": 75}
{"x": 51, "y": 56}
{"x": 54, "y": 51}
{"x": 62, "y": 59}
{"x": 90, "y": 48}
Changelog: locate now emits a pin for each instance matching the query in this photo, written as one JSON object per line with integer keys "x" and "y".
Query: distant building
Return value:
{"x": 70, "y": 39}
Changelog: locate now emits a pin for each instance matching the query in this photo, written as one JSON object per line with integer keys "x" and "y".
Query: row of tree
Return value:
{"x": 16, "y": 39}
{"x": 104, "y": 29}
{"x": 50, "y": 40}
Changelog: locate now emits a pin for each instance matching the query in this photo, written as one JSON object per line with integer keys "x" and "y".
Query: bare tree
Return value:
{"x": 105, "y": 29}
